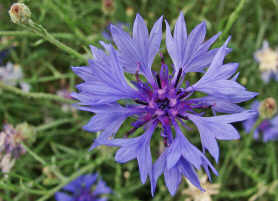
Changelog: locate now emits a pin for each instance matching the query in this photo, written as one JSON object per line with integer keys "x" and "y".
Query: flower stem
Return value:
{"x": 54, "y": 124}
{"x": 45, "y": 96}
{"x": 250, "y": 137}
{"x": 34, "y": 155}
{"x": 42, "y": 32}
{"x": 31, "y": 34}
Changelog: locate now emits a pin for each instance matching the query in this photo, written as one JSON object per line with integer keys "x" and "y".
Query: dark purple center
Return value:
{"x": 163, "y": 101}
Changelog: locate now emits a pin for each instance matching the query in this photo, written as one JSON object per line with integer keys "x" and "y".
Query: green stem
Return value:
{"x": 35, "y": 95}
{"x": 237, "y": 194}
{"x": 71, "y": 178}
{"x": 41, "y": 31}
{"x": 49, "y": 78}
{"x": 54, "y": 124}
{"x": 251, "y": 135}
{"x": 18, "y": 188}
{"x": 34, "y": 155}
{"x": 43, "y": 162}
{"x": 232, "y": 18}
{"x": 31, "y": 34}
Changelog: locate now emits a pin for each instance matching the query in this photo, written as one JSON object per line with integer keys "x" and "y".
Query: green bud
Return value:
{"x": 27, "y": 132}
{"x": 108, "y": 6}
{"x": 20, "y": 13}
{"x": 268, "y": 108}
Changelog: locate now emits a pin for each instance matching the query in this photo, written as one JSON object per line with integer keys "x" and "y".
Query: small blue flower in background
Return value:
{"x": 162, "y": 102}
{"x": 82, "y": 189}
{"x": 3, "y": 55}
{"x": 268, "y": 128}
{"x": 268, "y": 62}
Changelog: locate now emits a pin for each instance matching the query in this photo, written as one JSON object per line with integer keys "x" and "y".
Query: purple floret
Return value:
{"x": 81, "y": 189}
{"x": 162, "y": 100}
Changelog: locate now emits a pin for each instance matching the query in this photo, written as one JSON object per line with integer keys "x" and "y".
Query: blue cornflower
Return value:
{"x": 268, "y": 127}
{"x": 81, "y": 189}
{"x": 161, "y": 100}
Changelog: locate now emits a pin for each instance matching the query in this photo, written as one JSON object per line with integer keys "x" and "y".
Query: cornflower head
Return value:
{"x": 162, "y": 100}
{"x": 11, "y": 144}
{"x": 268, "y": 62}
{"x": 268, "y": 127}
{"x": 81, "y": 189}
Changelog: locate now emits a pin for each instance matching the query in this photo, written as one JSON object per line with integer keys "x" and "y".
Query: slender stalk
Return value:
{"x": 250, "y": 137}
{"x": 54, "y": 124}
{"x": 34, "y": 155}
{"x": 49, "y": 78}
{"x": 43, "y": 162}
{"x": 42, "y": 32}
{"x": 31, "y": 34}
{"x": 18, "y": 188}
{"x": 237, "y": 194}
{"x": 232, "y": 18}
{"x": 33, "y": 95}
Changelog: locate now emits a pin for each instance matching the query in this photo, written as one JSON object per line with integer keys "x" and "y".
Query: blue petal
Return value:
{"x": 218, "y": 104}
{"x": 189, "y": 173}
{"x": 172, "y": 179}
{"x": 126, "y": 154}
{"x": 101, "y": 188}
{"x": 106, "y": 83}
{"x": 194, "y": 40}
{"x": 227, "y": 89}
{"x": 271, "y": 134}
{"x": 217, "y": 127}
{"x": 141, "y": 49}
{"x": 201, "y": 61}
{"x": 189, "y": 53}
{"x": 176, "y": 46}
{"x": 89, "y": 180}
{"x": 158, "y": 168}
{"x": 139, "y": 148}
{"x": 59, "y": 196}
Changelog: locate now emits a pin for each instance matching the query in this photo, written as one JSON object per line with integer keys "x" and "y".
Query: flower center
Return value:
{"x": 161, "y": 101}
{"x": 163, "y": 104}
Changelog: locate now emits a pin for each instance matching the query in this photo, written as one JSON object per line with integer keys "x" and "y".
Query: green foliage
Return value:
{"x": 59, "y": 39}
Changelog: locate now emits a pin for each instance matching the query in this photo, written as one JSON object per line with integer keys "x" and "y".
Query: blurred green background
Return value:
{"x": 246, "y": 172}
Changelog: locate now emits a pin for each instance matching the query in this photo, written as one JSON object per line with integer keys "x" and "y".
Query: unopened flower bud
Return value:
{"x": 129, "y": 11}
{"x": 108, "y": 6}
{"x": 268, "y": 108}
{"x": 20, "y": 13}
{"x": 27, "y": 132}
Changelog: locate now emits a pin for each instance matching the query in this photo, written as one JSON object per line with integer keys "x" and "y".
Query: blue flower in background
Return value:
{"x": 268, "y": 127}
{"x": 81, "y": 189}
{"x": 162, "y": 101}
{"x": 268, "y": 62}
{"x": 3, "y": 55}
